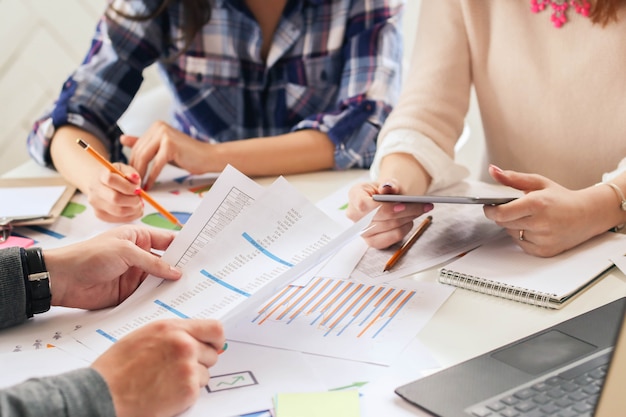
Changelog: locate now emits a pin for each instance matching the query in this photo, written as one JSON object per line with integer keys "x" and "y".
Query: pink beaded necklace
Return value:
{"x": 559, "y": 9}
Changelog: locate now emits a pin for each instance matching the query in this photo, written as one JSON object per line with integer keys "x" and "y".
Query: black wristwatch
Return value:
{"x": 37, "y": 283}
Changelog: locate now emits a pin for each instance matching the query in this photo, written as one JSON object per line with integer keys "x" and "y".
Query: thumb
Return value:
{"x": 152, "y": 264}
{"x": 128, "y": 140}
{"x": 389, "y": 186}
{"x": 518, "y": 180}
{"x": 130, "y": 173}
{"x": 207, "y": 331}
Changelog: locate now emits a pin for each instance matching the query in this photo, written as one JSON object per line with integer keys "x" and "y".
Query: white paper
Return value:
{"x": 280, "y": 236}
{"x": 620, "y": 262}
{"x": 344, "y": 319}
{"x": 246, "y": 378}
{"x": 376, "y": 383}
{"x": 455, "y": 229}
{"x": 18, "y": 367}
{"x": 25, "y": 202}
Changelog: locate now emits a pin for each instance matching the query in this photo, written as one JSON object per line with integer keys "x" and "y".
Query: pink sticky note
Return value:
{"x": 22, "y": 242}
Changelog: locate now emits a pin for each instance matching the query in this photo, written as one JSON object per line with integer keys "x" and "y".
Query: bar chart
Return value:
{"x": 340, "y": 318}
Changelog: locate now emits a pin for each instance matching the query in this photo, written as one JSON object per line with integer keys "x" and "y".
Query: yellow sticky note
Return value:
{"x": 318, "y": 404}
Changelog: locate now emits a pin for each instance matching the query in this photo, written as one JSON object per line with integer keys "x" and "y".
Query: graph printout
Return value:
{"x": 231, "y": 194}
{"x": 344, "y": 319}
{"x": 270, "y": 242}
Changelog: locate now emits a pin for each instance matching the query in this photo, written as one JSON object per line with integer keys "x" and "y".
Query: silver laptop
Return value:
{"x": 612, "y": 401}
{"x": 560, "y": 371}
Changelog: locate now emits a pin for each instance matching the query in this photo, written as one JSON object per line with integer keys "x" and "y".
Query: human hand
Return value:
{"x": 113, "y": 197}
{"x": 548, "y": 219}
{"x": 162, "y": 144}
{"x": 104, "y": 270}
{"x": 167, "y": 375}
{"x": 392, "y": 221}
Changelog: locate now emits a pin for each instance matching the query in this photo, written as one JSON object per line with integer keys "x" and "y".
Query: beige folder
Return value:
{"x": 56, "y": 210}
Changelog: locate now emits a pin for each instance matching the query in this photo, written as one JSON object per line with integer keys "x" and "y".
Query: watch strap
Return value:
{"x": 37, "y": 282}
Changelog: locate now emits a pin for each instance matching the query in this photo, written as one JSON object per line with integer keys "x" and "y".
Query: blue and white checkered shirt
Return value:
{"x": 334, "y": 66}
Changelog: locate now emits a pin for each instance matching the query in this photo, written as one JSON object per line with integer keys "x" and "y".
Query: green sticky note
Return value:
{"x": 316, "y": 404}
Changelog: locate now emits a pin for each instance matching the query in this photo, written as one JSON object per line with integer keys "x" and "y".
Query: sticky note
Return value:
{"x": 315, "y": 404}
{"x": 22, "y": 242}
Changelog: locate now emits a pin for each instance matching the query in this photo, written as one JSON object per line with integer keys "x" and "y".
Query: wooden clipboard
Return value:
{"x": 58, "y": 207}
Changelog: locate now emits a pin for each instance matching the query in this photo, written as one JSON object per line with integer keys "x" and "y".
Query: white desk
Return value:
{"x": 315, "y": 185}
{"x": 468, "y": 324}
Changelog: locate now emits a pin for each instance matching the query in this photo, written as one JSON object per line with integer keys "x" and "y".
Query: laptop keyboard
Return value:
{"x": 572, "y": 393}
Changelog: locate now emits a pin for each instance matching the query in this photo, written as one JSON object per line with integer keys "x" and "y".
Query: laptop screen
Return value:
{"x": 612, "y": 401}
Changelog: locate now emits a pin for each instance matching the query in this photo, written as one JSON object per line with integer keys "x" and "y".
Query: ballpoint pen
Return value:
{"x": 407, "y": 245}
{"x": 140, "y": 192}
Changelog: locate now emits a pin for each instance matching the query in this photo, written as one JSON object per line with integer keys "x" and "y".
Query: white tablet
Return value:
{"x": 400, "y": 198}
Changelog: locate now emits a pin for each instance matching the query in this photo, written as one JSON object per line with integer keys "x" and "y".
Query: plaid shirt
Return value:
{"x": 334, "y": 66}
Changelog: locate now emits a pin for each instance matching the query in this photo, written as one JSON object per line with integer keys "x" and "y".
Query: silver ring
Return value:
{"x": 521, "y": 234}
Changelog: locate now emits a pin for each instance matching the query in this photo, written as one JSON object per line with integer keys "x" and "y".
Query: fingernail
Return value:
{"x": 223, "y": 349}
{"x": 428, "y": 207}
{"x": 134, "y": 176}
{"x": 137, "y": 191}
{"x": 495, "y": 167}
{"x": 387, "y": 185}
{"x": 399, "y": 207}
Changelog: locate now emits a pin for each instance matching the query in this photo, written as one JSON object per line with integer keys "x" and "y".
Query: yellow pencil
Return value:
{"x": 169, "y": 216}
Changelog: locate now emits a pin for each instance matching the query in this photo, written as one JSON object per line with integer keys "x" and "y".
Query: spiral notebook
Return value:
{"x": 502, "y": 269}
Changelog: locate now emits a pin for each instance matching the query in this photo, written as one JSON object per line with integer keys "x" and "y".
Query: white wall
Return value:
{"x": 42, "y": 41}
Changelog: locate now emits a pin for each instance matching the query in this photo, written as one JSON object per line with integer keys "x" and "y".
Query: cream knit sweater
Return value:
{"x": 552, "y": 101}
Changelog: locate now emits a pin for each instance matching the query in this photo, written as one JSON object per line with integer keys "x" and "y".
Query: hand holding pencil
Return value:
{"x": 140, "y": 192}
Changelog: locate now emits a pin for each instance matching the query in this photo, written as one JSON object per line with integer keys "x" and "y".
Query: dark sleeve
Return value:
{"x": 78, "y": 393}
{"x": 12, "y": 290}
{"x": 82, "y": 392}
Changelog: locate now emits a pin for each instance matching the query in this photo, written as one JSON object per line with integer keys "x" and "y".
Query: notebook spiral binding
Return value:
{"x": 489, "y": 287}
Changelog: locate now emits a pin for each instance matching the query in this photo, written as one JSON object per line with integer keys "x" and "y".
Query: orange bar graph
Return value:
{"x": 380, "y": 313}
{"x": 337, "y": 306}
{"x": 299, "y": 310}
